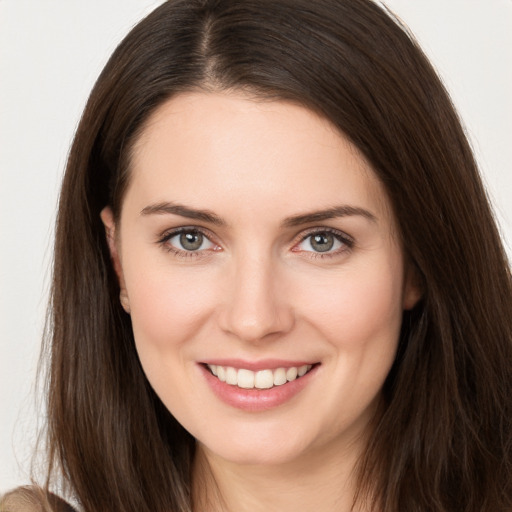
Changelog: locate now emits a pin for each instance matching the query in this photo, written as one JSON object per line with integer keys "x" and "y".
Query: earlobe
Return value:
{"x": 107, "y": 217}
{"x": 413, "y": 288}
{"x": 124, "y": 300}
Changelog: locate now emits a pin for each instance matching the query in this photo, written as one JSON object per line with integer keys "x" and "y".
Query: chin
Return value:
{"x": 252, "y": 447}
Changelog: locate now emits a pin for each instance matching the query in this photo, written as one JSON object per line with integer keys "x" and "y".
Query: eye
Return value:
{"x": 188, "y": 240}
{"x": 324, "y": 242}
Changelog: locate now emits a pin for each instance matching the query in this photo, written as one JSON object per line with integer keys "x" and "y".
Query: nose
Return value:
{"x": 256, "y": 306}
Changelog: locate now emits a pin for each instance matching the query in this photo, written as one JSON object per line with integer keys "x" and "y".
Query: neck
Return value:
{"x": 315, "y": 482}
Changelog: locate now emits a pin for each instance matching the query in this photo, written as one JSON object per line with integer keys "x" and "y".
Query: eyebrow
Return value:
{"x": 295, "y": 220}
{"x": 183, "y": 211}
{"x": 330, "y": 213}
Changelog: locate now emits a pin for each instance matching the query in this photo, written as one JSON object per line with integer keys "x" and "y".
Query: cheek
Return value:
{"x": 360, "y": 317}
{"x": 168, "y": 305}
{"x": 360, "y": 307}
{"x": 169, "y": 310}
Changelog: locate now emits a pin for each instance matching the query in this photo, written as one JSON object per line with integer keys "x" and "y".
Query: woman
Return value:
{"x": 278, "y": 282}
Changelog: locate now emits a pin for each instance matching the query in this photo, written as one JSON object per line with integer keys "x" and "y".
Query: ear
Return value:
{"x": 107, "y": 217}
{"x": 413, "y": 287}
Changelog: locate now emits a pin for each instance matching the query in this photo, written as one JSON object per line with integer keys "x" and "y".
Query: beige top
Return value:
{"x": 33, "y": 499}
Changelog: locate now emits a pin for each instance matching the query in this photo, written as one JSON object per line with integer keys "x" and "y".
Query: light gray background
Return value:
{"x": 51, "y": 52}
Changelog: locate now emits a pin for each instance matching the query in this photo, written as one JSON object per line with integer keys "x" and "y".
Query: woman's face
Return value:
{"x": 256, "y": 243}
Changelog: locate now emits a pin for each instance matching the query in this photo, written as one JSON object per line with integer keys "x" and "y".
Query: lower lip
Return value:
{"x": 255, "y": 400}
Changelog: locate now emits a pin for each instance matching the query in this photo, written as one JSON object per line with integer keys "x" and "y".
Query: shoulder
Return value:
{"x": 32, "y": 499}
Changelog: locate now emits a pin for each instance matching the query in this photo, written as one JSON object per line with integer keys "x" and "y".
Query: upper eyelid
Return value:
{"x": 171, "y": 232}
{"x": 324, "y": 229}
{"x": 167, "y": 235}
{"x": 297, "y": 238}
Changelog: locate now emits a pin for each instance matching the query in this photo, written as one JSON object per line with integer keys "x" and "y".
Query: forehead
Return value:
{"x": 214, "y": 146}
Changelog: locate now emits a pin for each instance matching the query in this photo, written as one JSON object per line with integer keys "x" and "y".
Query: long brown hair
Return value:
{"x": 443, "y": 439}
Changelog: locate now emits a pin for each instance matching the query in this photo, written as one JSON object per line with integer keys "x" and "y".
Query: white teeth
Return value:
{"x": 231, "y": 376}
{"x": 302, "y": 370}
{"x": 245, "y": 379}
{"x": 291, "y": 373}
{"x": 280, "y": 377}
{"x": 262, "y": 379}
{"x": 221, "y": 373}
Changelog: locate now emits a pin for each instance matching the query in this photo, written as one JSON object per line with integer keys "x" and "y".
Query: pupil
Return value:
{"x": 191, "y": 241}
{"x": 322, "y": 242}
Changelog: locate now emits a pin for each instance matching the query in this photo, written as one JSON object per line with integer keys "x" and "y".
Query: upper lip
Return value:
{"x": 262, "y": 364}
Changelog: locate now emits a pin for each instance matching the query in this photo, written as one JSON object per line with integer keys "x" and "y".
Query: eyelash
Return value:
{"x": 346, "y": 241}
{"x": 163, "y": 240}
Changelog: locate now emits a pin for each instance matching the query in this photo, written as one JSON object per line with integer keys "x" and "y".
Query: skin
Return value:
{"x": 257, "y": 289}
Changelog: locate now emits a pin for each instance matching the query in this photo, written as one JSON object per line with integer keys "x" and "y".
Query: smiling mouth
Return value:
{"x": 262, "y": 379}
